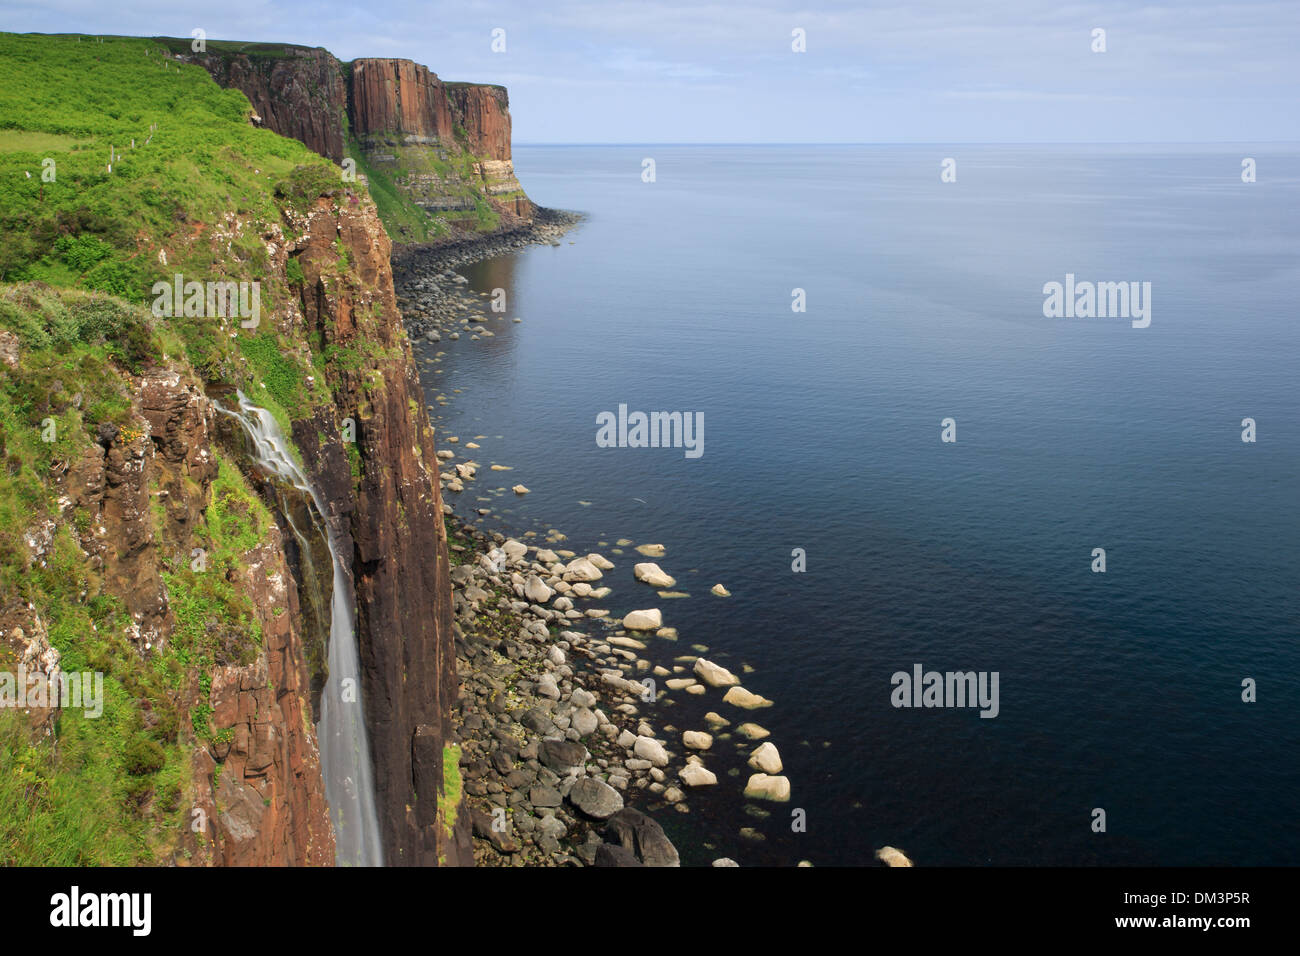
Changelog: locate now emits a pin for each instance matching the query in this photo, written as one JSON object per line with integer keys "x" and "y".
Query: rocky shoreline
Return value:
{"x": 552, "y": 746}
{"x": 552, "y": 717}
{"x": 431, "y": 302}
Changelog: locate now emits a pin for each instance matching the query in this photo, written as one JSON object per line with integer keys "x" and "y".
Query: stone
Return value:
{"x": 762, "y": 786}
{"x": 583, "y": 698}
{"x": 720, "y": 591}
{"x": 580, "y": 569}
{"x": 612, "y": 854}
{"x": 725, "y": 861}
{"x": 752, "y": 731}
{"x": 584, "y": 721}
{"x": 766, "y": 758}
{"x": 891, "y": 856}
{"x": 519, "y": 490}
{"x": 647, "y": 748}
{"x": 562, "y": 755}
{"x": 547, "y": 687}
{"x": 482, "y": 826}
{"x": 653, "y": 575}
{"x": 595, "y": 798}
{"x": 536, "y": 590}
{"x": 739, "y": 697}
{"x": 552, "y": 827}
{"x": 716, "y": 720}
{"x": 714, "y": 675}
{"x": 544, "y": 797}
{"x": 647, "y": 620}
{"x": 634, "y": 831}
{"x": 698, "y": 740}
{"x": 601, "y": 562}
{"x": 695, "y": 775}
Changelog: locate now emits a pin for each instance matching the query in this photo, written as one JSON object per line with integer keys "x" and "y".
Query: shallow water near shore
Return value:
{"x": 1119, "y": 691}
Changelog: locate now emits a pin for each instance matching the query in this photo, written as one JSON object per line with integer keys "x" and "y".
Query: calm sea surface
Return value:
{"x": 1119, "y": 691}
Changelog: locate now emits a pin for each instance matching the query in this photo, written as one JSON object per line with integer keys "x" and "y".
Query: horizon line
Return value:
{"x": 935, "y": 142}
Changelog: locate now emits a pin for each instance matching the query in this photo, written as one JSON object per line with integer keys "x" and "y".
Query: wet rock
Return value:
{"x": 739, "y": 697}
{"x": 890, "y": 856}
{"x": 647, "y": 620}
{"x": 647, "y": 748}
{"x": 695, "y": 775}
{"x": 766, "y": 758}
{"x": 762, "y": 786}
{"x": 653, "y": 575}
{"x": 714, "y": 674}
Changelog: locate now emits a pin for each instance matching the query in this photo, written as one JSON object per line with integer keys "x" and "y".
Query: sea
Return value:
{"x": 906, "y": 463}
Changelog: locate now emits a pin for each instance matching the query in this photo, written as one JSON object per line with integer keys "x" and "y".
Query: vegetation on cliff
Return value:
{"x": 121, "y": 168}
{"x": 124, "y": 167}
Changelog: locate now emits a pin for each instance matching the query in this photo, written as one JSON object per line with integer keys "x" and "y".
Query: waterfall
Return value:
{"x": 344, "y": 745}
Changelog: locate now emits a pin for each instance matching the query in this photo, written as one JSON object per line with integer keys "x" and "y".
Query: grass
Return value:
{"x": 112, "y": 792}
{"x": 449, "y": 799}
{"x": 194, "y": 194}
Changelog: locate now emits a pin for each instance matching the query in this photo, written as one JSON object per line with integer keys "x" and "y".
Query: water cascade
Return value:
{"x": 344, "y": 745}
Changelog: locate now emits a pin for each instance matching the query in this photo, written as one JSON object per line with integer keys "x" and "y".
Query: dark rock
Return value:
{"x": 595, "y": 798}
{"x": 544, "y": 797}
{"x": 562, "y": 755}
{"x": 611, "y": 854}
{"x": 637, "y": 833}
{"x": 501, "y": 842}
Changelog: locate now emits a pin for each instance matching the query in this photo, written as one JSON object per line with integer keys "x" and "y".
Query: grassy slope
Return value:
{"x": 112, "y": 792}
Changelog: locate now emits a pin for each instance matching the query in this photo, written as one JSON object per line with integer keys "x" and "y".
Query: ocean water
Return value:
{"x": 1120, "y": 691}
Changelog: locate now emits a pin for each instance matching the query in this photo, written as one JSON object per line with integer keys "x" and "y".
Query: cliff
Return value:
{"x": 296, "y": 91}
{"x": 436, "y": 155}
{"x": 402, "y": 97}
{"x": 390, "y": 517}
{"x": 153, "y": 535}
{"x": 138, "y": 539}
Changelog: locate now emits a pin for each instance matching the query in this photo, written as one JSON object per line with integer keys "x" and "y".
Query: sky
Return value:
{"x": 906, "y": 71}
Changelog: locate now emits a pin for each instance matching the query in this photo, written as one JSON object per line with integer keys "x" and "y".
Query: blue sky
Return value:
{"x": 594, "y": 71}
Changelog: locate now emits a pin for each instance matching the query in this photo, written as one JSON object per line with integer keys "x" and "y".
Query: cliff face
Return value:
{"x": 443, "y": 147}
{"x": 399, "y": 96}
{"x": 389, "y": 517}
{"x": 144, "y": 522}
{"x": 300, "y": 93}
{"x": 484, "y": 113}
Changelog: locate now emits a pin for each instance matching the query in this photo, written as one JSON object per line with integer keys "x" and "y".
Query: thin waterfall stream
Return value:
{"x": 341, "y": 731}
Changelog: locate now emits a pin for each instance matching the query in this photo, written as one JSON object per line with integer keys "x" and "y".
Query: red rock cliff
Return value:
{"x": 399, "y": 96}
{"x": 389, "y": 519}
{"x": 300, "y": 93}
{"x": 484, "y": 113}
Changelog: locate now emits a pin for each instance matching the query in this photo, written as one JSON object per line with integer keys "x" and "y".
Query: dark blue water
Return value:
{"x": 1119, "y": 691}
